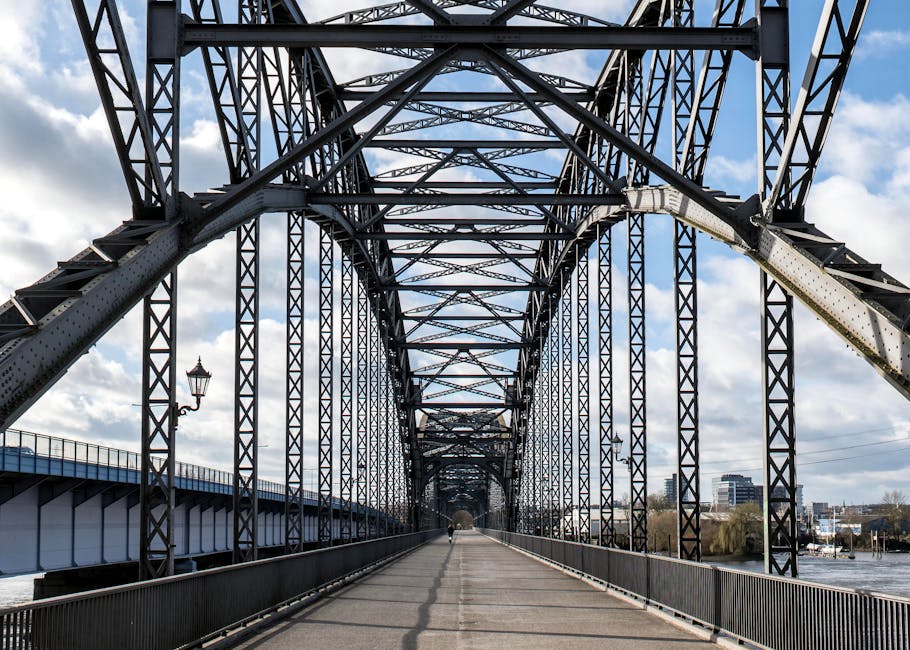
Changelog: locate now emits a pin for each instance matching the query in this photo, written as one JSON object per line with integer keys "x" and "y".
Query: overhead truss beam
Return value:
{"x": 744, "y": 39}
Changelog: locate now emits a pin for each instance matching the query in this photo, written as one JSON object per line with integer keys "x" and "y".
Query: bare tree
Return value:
{"x": 895, "y": 502}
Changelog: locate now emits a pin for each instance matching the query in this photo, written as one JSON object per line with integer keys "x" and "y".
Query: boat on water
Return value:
{"x": 827, "y": 550}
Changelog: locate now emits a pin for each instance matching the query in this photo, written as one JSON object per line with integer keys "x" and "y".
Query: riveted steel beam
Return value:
{"x": 463, "y": 198}
{"x": 744, "y": 39}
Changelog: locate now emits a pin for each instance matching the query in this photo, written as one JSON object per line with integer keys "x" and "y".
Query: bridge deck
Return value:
{"x": 474, "y": 594}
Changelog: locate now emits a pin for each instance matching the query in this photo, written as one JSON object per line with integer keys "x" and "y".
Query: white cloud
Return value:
{"x": 865, "y": 138}
{"x": 20, "y": 30}
{"x": 864, "y": 186}
{"x": 62, "y": 186}
{"x": 880, "y": 43}
{"x": 739, "y": 171}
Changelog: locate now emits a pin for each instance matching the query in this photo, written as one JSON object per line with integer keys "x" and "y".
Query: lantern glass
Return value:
{"x": 198, "y": 379}
{"x": 617, "y": 445}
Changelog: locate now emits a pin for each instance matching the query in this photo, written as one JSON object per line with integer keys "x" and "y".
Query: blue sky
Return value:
{"x": 62, "y": 187}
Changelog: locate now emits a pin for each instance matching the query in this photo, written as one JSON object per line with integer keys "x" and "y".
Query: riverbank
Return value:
{"x": 888, "y": 574}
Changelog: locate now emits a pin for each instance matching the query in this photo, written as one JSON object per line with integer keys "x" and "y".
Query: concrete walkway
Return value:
{"x": 473, "y": 594}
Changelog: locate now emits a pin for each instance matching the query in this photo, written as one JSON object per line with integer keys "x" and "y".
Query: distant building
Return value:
{"x": 817, "y": 508}
{"x": 670, "y": 489}
{"x": 780, "y": 494}
{"x": 826, "y": 527}
{"x": 733, "y": 489}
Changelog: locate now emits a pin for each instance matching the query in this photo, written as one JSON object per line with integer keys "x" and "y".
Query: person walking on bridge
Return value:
{"x": 451, "y": 531}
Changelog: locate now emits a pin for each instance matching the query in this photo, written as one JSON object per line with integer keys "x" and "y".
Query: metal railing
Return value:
{"x": 187, "y": 610}
{"x": 36, "y": 453}
{"x": 767, "y": 610}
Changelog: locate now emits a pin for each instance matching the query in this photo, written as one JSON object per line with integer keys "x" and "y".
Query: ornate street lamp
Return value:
{"x": 616, "y": 441}
{"x": 198, "y": 379}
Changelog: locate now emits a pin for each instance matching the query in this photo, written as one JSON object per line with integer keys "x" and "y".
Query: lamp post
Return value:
{"x": 616, "y": 442}
{"x": 198, "y": 379}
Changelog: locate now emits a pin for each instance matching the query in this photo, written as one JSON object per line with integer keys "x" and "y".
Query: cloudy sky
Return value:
{"x": 62, "y": 187}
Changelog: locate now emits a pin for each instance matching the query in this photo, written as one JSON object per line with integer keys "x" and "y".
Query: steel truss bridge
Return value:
{"x": 475, "y": 315}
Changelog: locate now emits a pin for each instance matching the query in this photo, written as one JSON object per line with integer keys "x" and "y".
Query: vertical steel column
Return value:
{"x": 246, "y": 370}
{"x": 584, "y": 399}
{"x": 688, "y": 513}
{"x": 542, "y": 428}
{"x": 159, "y": 374}
{"x": 393, "y": 443}
{"x": 385, "y": 390}
{"x": 246, "y": 326}
{"x": 249, "y": 86}
{"x": 777, "y": 304}
{"x": 638, "y": 471}
{"x": 346, "y": 416}
{"x": 293, "y": 459}
{"x": 531, "y": 476}
{"x": 393, "y": 466}
{"x": 381, "y": 466}
{"x": 780, "y": 438}
{"x": 326, "y": 430}
{"x": 162, "y": 95}
{"x": 545, "y": 458}
{"x": 553, "y": 416}
{"x": 399, "y": 474}
{"x": 637, "y": 461}
{"x": 391, "y": 431}
{"x": 565, "y": 394}
{"x": 605, "y": 382}
{"x": 159, "y": 427}
{"x": 524, "y": 479}
{"x": 373, "y": 438}
{"x": 687, "y": 488}
{"x": 363, "y": 391}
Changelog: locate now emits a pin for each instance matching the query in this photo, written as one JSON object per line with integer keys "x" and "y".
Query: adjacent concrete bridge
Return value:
{"x": 67, "y": 504}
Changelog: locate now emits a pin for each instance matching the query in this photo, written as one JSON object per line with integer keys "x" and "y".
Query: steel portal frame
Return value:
{"x": 493, "y": 386}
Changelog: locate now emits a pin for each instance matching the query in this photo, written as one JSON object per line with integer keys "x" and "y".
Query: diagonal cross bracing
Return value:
{"x": 446, "y": 305}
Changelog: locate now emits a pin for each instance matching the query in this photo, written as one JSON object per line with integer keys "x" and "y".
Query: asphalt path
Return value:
{"x": 474, "y": 593}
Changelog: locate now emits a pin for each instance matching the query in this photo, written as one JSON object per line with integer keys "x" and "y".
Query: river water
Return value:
{"x": 889, "y": 574}
{"x": 17, "y": 589}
